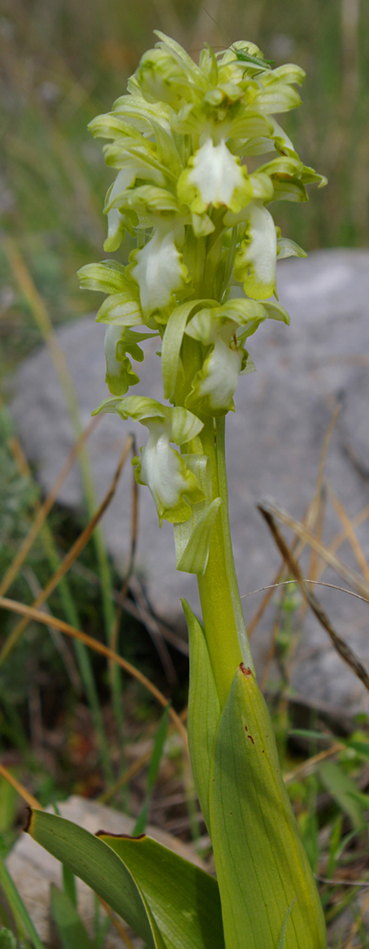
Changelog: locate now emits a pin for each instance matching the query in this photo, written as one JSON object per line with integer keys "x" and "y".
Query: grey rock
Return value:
{"x": 274, "y": 442}
{"x": 33, "y": 869}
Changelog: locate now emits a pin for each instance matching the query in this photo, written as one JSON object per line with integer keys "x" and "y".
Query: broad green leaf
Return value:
{"x": 71, "y": 930}
{"x": 95, "y": 863}
{"x": 153, "y": 771}
{"x": 17, "y": 906}
{"x": 183, "y": 899}
{"x": 203, "y": 709}
{"x": 343, "y": 790}
{"x": 261, "y": 864}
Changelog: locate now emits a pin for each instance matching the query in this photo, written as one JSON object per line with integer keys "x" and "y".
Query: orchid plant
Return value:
{"x": 200, "y": 280}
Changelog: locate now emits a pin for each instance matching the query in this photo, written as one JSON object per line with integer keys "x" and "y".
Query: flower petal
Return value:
{"x": 214, "y": 177}
{"x": 159, "y": 271}
{"x": 171, "y": 483}
{"x": 255, "y": 261}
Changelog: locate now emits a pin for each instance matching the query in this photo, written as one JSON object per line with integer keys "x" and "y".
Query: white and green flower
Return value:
{"x": 214, "y": 177}
{"x": 179, "y": 141}
{"x": 159, "y": 271}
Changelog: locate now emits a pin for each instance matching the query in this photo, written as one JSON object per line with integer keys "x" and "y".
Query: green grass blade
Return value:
{"x": 71, "y": 930}
{"x": 344, "y": 791}
{"x": 17, "y": 906}
{"x": 283, "y": 934}
{"x": 153, "y": 771}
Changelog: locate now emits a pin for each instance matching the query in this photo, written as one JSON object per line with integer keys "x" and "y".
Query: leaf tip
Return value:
{"x": 29, "y": 816}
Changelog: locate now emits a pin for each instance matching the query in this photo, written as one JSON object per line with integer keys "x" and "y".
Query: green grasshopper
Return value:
{"x": 241, "y": 55}
{"x": 244, "y": 57}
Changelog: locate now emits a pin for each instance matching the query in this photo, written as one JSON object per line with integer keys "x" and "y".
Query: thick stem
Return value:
{"x": 215, "y": 593}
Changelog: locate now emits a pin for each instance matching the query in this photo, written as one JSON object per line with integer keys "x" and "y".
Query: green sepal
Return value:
{"x": 96, "y": 864}
{"x": 261, "y": 863}
{"x": 288, "y": 248}
{"x": 183, "y": 899}
{"x": 121, "y": 309}
{"x": 105, "y": 277}
{"x": 203, "y": 710}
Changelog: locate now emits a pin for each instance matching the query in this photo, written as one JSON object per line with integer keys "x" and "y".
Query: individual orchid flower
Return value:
{"x": 171, "y": 482}
{"x": 215, "y": 383}
{"x": 160, "y": 255}
{"x": 214, "y": 177}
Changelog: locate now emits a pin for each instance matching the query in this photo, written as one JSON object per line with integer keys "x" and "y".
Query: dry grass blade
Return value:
{"x": 132, "y": 555}
{"x": 326, "y": 554}
{"x": 31, "y": 613}
{"x": 22, "y": 791}
{"x": 56, "y": 636}
{"x": 145, "y": 618}
{"x": 130, "y": 773}
{"x": 350, "y": 533}
{"x": 269, "y": 510}
{"x": 355, "y": 926}
{"x": 310, "y": 518}
{"x": 44, "y": 324}
{"x": 117, "y": 923}
{"x": 308, "y": 767}
{"x": 154, "y": 631}
{"x": 133, "y": 769}
{"x": 69, "y": 559}
{"x": 44, "y": 510}
{"x": 319, "y": 583}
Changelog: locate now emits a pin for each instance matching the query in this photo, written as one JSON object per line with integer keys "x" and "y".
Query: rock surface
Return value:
{"x": 34, "y": 870}
{"x": 274, "y": 442}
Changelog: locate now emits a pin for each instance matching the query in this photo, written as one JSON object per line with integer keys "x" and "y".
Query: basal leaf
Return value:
{"x": 262, "y": 867}
{"x": 95, "y": 863}
{"x": 183, "y": 899}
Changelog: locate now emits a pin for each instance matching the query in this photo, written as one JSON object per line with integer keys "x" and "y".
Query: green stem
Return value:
{"x": 215, "y": 593}
{"x": 229, "y": 558}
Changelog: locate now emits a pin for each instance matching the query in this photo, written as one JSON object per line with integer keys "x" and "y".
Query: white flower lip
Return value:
{"x": 159, "y": 271}
{"x": 216, "y": 175}
{"x": 256, "y": 260}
